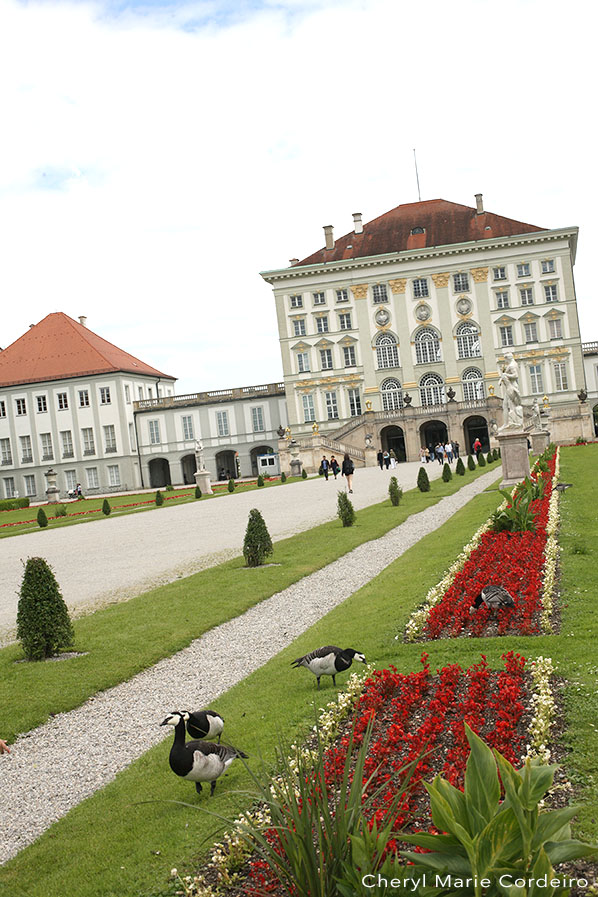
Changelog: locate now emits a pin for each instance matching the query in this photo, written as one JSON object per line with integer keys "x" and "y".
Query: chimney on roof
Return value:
{"x": 357, "y": 223}
{"x": 328, "y": 228}
{"x": 479, "y": 204}
{"x": 31, "y": 326}
{"x": 83, "y": 320}
{"x": 293, "y": 261}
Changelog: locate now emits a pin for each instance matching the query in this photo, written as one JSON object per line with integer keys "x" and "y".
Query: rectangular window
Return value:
{"x": 299, "y": 327}
{"x": 47, "y": 450}
{"x": 104, "y": 395}
{"x": 531, "y": 332}
{"x": 67, "y": 443}
{"x": 71, "y": 480}
{"x": 113, "y": 475}
{"x": 322, "y": 324}
{"x": 331, "y": 406}
{"x": 296, "y": 301}
{"x": 342, "y": 295}
{"x": 502, "y": 299}
{"x": 344, "y": 321}
{"x": 354, "y": 402}
{"x": 257, "y": 420}
{"x": 42, "y": 404}
{"x": 9, "y": 487}
{"x": 127, "y": 394}
{"x": 527, "y": 296}
{"x": 326, "y": 359}
{"x": 535, "y": 377}
{"x": 30, "y": 487}
{"x": 560, "y": 376}
{"x": 92, "y": 477}
{"x": 83, "y": 398}
{"x": 461, "y": 282}
{"x": 88, "y": 441}
{"x": 26, "y": 450}
{"x": 349, "y": 354}
{"x": 222, "y": 423}
{"x": 523, "y": 270}
{"x": 187, "y": 422}
{"x": 2, "y": 408}
{"x": 132, "y": 442}
{"x": 550, "y": 292}
{"x": 499, "y": 273}
{"x": 63, "y": 401}
{"x": 154, "y": 432}
{"x": 309, "y": 412}
{"x": 110, "y": 438}
{"x": 21, "y": 406}
{"x": 555, "y": 329}
{"x": 379, "y": 292}
{"x": 302, "y": 362}
{"x": 506, "y": 335}
{"x": 319, "y": 298}
{"x": 548, "y": 266}
{"x": 140, "y": 393}
{"x": 420, "y": 288}
{"x": 5, "y": 451}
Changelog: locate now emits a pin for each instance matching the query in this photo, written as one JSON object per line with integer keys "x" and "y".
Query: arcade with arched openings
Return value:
{"x": 432, "y": 432}
{"x": 226, "y": 465}
{"x": 475, "y": 427}
{"x": 255, "y": 452}
{"x": 159, "y": 471}
{"x": 393, "y": 437}
{"x": 188, "y": 468}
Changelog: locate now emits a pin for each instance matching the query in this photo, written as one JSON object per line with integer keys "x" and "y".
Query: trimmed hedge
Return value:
{"x": 43, "y": 624}
{"x": 13, "y": 504}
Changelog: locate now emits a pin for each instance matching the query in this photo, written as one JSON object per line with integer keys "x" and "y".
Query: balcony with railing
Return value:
{"x": 212, "y": 396}
{"x": 590, "y": 348}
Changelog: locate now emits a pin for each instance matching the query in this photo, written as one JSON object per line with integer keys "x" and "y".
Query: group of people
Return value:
{"x": 386, "y": 459}
{"x": 441, "y": 452}
{"x": 346, "y": 469}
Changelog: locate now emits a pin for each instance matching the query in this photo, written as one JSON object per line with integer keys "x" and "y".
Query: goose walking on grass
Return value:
{"x": 197, "y": 761}
{"x": 328, "y": 661}
{"x": 205, "y": 724}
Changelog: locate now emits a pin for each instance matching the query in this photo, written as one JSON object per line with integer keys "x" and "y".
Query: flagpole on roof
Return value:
{"x": 419, "y": 196}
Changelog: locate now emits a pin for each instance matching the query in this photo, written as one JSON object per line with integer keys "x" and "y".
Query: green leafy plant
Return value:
{"x": 42, "y": 518}
{"x": 43, "y": 624}
{"x": 60, "y": 511}
{"x": 481, "y": 460}
{"x": 283, "y": 477}
{"x": 460, "y": 467}
{"x": 198, "y": 492}
{"x": 487, "y": 838}
{"x": 11, "y": 504}
{"x": 260, "y": 480}
{"x": 169, "y": 488}
{"x": 257, "y": 544}
{"x": 489, "y": 458}
{"x": 495, "y": 454}
{"x": 447, "y": 473}
{"x": 159, "y": 499}
{"x": 231, "y": 485}
{"x": 518, "y": 515}
{"x": 395, "y": 492}
{"x": 304, "y": 474}
{"x": 106, "y": 508}
{"x": 581, "y": 441}
{"x": 345, "y": 510}
{"x": 470, "y": 462}
{"x": 423, "y": 482}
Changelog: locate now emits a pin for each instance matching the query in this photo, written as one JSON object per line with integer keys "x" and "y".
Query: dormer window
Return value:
{"x": 418, "y": 230}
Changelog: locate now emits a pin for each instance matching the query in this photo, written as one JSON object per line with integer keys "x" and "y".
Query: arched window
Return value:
{"x": 473, "y": 384}
{"x": 468, "y": 341}
{"x": 387, "y": 352}
{"x": 427, "y": 346}
{"x": 392, "y": 394}
{"x": 431, "y": 390}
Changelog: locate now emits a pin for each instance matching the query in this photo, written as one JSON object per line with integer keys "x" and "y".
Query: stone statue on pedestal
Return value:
{"x": 199, "y": 455}
{"x": 512, "y": 408}
{"x": 536, "y": 420}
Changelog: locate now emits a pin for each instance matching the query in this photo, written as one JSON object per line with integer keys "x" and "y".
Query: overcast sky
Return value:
{"x": 156, "y": 156}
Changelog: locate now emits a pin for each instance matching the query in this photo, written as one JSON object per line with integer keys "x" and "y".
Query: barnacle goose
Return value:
{"x": 494, "y": 598}
{"x": 328, "y": 661}
{"x": 205, "y": 724}
{"x": 197, "y": 761}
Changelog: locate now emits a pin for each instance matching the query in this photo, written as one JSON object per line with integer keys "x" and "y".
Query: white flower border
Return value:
{"x": 551, "y": 553}
{"x": 543, "y": 709}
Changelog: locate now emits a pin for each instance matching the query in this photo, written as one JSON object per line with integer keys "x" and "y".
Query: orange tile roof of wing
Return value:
{"x": 58, "y": 348}
{"x": 443, "y": 222}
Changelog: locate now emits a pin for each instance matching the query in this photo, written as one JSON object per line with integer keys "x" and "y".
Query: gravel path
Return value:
{"x": 116, "y": 558}
{"x": 38, "y": 783}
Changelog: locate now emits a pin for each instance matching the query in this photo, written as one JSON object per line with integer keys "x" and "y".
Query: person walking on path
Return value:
{"x": 477, "y": 447}
{"x": 380, "y": 459}
{"x": 423, "y": 455}
{"x": 334, "y": 466}
{"x": 455, "y": 450}
{"x": 393, "y": 459}
{"x": 325, "y": 467}
{"x": 427, "y": 455}
{"x": 348, "y": 470}
{"x": 439, "y": 451}
{"x": 386, "y": 457}
{"x": 449, "y": 452}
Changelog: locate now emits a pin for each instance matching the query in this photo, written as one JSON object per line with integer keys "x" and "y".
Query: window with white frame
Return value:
{"x": 319, "y": 298}
{"x": 26, "y": 450}
{"x": 322, "y": 324}
{"x": 47, "y": 450}
{"x": 222, "y": 423}
{"x": 387, "y": 351}
{"x": 66, "y": 438}
{"x": 187, "y": 424}
{"x": 84, "y": 398}
{"x": 113, "y": 475}
{"x": 561, "y": 381}
{"x": 30, "y": 487}
{"x": 392, "y": 394}
{"x": 257, "y": 419}
{"x": 331, "y": 405}
{"x": 88, "y": 441}
{"x": 71, "y": 480}
{"x": 527, "y": 296}
{"x": 555, "y": 329}
{"x": 506, "y": 335}
{"x": 139, "y": 393}
{"x": 154, "y": 431}
{"x": 110, "y": 438}
{"x": 21, "y": 407}
{"x": 354, "y": 402}
{"x": 547, "y": 266}
{"x": 380, "y": 292}
{"x": 303, "y": 362}
{"x": 42, "y": 404}
{"x": 342, "y": 295}
{"x": 2, "y": 408}
{"x": 530, "y": 332}
{"x": 431, "y": 390}
{"x": 9, "y": 487}
{"x": 104, "y": 395}
{"x": 427, "y": 346}
{"x": 349, "y": 356}
{"x": 63, "y": 401}
{"x": 5, "y": 451}
{"x": 326, "y": 359}
{"x": 468, "y": 340}
{"x": 420, "y": 288}
{"x": 461, "y": 283}
{"x": 502, "y": 299}
{"x": 149, "y": 392}
{"x": 132, "y": 440}
{"x": 550, "y": 293}
{"x": 127, "y": 394}
{"x": 93, "y": 481}
{"x": 299, "y": 327}
{"x": 309, "y": 411}
{"x": 472, "y": 381}
{"x": 345, "y": 321}
{"x": 499, "y": 273}
{"x": 523, "y": 270}
{"x": 296, "y": 301}
{"x": 535, "y": 378}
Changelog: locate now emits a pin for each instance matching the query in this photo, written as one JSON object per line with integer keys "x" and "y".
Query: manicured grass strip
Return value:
{"x": 126, "y": 638}
{"x": 113, "y": 846}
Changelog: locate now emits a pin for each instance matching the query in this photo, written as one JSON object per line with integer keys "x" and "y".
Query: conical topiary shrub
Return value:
{"x": 159, "y": 499}
{"x": 470, "y": 462}
{"x": 489, "y": 458}
{"x": 447, "y": 473}
{"x": 395, "y": 492}
{"x": 423, "y": 483}
{"x": 198, "y": 492}
{"x": 43, "y": 623}
{"x": 304, "y": 474}
{"x": 231, "y": 485}
{"x": 283, "y": 477}
{"x": 106, "y": 507}
{"x": 257, "y": 544}
{"x": 42, "y": 518}
{"x": 260, "y": 480}
{"x": 460, "y": 467}
{"x": 345, "y": 510}
{"x": 495, "y": 454}
{"x": 481, "y": 460}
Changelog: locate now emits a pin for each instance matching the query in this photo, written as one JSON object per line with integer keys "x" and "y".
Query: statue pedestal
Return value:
{"x": 202, "y": 479}
{"x": 52, "y": 492}
{"x": 514, "y": 456}
{"x": 540, "y": 441}
{"x": 296, "y": 467}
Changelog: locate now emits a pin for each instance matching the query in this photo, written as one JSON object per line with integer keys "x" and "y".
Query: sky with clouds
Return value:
{"x": 155, "y": 156}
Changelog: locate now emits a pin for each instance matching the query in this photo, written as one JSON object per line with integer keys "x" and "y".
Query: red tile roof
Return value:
{"x": 443, "y": 222}
{"x": 59, "y": 347}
